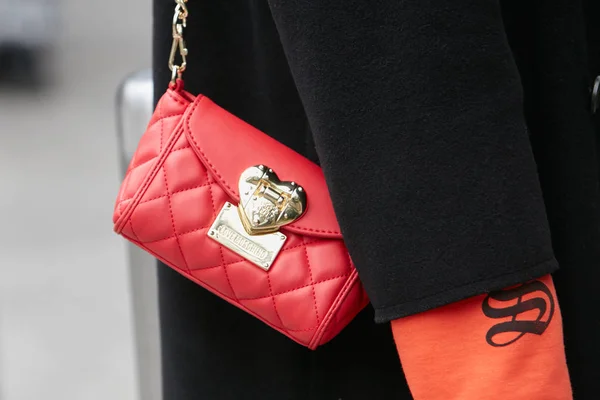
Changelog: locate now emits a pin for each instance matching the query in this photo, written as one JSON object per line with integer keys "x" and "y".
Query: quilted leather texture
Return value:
{"x": 177, "y": 182}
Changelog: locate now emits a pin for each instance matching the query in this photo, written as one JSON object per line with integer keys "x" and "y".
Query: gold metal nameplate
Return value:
{"x": 252, "y": 229}
{"x": 259, "y": 249}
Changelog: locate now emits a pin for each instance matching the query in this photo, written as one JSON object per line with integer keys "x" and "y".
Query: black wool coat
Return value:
{"x": 461, "y": 154}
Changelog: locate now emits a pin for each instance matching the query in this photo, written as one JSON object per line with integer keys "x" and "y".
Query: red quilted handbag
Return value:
{"x": 240, "y": 214}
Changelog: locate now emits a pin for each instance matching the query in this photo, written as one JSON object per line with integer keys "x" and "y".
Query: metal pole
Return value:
{"x": 134, "y": 108}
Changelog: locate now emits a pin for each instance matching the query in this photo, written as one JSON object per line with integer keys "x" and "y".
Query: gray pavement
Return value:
{"x": 65, "y": 307}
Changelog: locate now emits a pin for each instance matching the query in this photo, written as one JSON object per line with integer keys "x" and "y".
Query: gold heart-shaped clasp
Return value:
{"x": 266, "y": 203}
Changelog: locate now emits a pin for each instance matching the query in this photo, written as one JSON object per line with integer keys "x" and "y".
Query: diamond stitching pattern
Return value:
{"x": 164, "y": 173}
{"x": 194, "y": 254}
{"x": 168, "y": 113}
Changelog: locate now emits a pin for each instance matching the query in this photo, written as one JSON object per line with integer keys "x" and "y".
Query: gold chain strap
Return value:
{"x": 179, "y": 22}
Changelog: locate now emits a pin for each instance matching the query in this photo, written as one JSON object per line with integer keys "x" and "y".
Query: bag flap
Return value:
{"x": 227, "y": 146}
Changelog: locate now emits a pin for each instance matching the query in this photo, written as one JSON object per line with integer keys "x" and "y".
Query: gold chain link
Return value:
{"x": 179, "y": 22}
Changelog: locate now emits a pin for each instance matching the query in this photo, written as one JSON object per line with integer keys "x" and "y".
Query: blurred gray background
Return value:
{"x": 65, "y": 309}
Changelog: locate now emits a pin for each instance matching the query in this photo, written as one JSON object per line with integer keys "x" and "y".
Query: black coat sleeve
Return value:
{"x": 416, "y": 111}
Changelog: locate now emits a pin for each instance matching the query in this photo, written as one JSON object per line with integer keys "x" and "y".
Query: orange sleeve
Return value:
{"x": 506, "y": 345}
